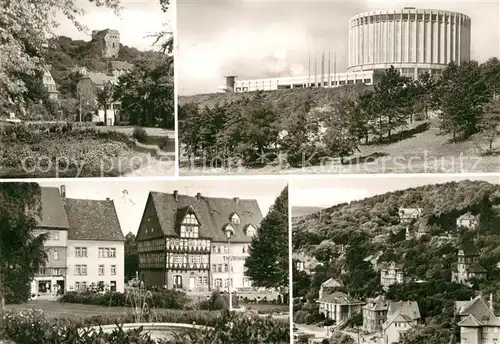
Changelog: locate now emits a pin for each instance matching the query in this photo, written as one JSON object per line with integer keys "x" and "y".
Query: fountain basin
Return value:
{"x": 156, "y": 330}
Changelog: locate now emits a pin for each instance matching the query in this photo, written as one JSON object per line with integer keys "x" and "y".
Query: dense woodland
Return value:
{"x": 356, "y": 225}
{"x": 292, "y": 124}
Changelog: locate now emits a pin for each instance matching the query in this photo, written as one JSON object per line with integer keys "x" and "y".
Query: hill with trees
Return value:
{"x": 342, "y": 236}
{"x": 288, "y": 125}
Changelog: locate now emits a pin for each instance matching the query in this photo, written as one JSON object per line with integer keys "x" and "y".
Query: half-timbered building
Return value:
{"x": 182, "y": 242}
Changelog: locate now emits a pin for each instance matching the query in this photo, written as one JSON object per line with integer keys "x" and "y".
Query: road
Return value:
{"x": 320, "y": 333}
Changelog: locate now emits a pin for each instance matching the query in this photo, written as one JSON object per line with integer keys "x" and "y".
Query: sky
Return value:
{"x": 258, "y": 39}
{"x": 130, "y": 205}
{"x": 325, "y": 192}
{"x": 137, "y": 20}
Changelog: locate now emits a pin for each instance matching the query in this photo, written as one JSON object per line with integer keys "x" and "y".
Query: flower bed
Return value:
{"x": 44, "y": 149}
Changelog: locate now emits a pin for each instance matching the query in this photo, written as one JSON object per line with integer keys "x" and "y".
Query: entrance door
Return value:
{"x": 192, "y": 283}
{"x": 178, "y": 282}
{"x": 60, "y": 285}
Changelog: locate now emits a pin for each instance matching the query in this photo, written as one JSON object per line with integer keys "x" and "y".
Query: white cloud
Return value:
{"x": 204, "y": 62}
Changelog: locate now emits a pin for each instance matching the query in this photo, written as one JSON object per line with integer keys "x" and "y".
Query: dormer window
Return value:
{"x": 189, "y": 226}
{"x": 235, "y": 219}
{"x": 250, "y": 231}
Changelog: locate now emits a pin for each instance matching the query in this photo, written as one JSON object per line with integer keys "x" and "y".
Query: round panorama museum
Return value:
{"x": 412, "y": 40}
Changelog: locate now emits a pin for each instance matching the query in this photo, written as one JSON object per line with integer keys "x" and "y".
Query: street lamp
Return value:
{"x": 229, "y": 232}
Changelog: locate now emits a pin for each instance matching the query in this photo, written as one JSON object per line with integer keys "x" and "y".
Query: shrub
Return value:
{"x": 169, "y": 299}
{"x": 167, "y": 145}
{"x": 218, "y": 302}
{"x": 140, "y": 135}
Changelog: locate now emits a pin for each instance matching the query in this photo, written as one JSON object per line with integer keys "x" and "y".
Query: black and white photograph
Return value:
{"x": 87, "y": 88}
{"x": 358, "y": 87}
{"x": 396, "y": 259}
{"x": 145, "y": 262}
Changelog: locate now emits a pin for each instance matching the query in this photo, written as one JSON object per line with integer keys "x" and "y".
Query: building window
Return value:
{"x": 226, "y": 268}
{"x": 218, "y": 282}
{"x": 101, "y": 270}
{"x": 55, "y": 235}
{"x": 41, "y": 271}
{"x": 81, "y": 270}
{"x": 219, "y": 267}
{"x": 112, "y": 253}
{"x": 113, "y": 269}
{"x": 80, "y": 251}
{"x": 56, "y": 255}
{"x": 56, "y": 272}
{"x": 77, "y": 285}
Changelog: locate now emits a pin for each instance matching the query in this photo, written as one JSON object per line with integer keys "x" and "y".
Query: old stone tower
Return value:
{"x": 109, "y": 42}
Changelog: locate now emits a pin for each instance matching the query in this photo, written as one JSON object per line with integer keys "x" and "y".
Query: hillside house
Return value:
{"x": 182, "y": 241}
{"x": 373, "y": 260}
{"x": 339, "y": 306}
{"x": 478, "y": 322}
{"x": 119, "y": 68}
{"x": 304, "y": 262}
{"x": 108, "y": 41}
{"x": 50, "y": 85}
{"x": 409, "y": 214}
{"x": 391, "y": 273}
{"x": 402, "y": 316}
{"x": 467, "y": 267}
{"x": 375, "y": 314}
{"x": 87, "y": 89}
{"x": 467, "y": 220}
{"x": 329, "y": 286}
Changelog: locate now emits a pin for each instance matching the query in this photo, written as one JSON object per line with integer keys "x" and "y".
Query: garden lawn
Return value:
{"x": 74, "y": 310}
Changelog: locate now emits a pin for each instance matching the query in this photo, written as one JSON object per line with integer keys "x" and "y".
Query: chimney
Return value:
{"x": 198, "y": 195}
{"x": 230, "y": 81}
{"x": 176, "y": 195}
{"x": 491, "y": 303}
{"x": 63, "y": 192}
{"x": 237, "y": 200}
{"x": 108, "y": 199}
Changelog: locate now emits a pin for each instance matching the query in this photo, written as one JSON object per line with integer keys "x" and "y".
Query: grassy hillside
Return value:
{"x": 287, "y": 98}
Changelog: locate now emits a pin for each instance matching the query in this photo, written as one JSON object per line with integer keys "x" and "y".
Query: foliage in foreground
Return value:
{"x": 21, "y": 252}
{"x": 33, "y": 327}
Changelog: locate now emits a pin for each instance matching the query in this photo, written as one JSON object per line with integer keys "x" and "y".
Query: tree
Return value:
{"x": 392, "y": 95}
{"x": 425, "y": 88}
{"x": 25, "y": 29}
{"x": 490, "y": 121}
{"x": 462, "y": 94}
{"x": 341, "y": 133}
{"x": 268, "y": 263}
{"x": 104, "y": 96}
{"x": 147, "y": 94}
{"x": 131, "y": 256}
{"x": 21, "y": 251}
